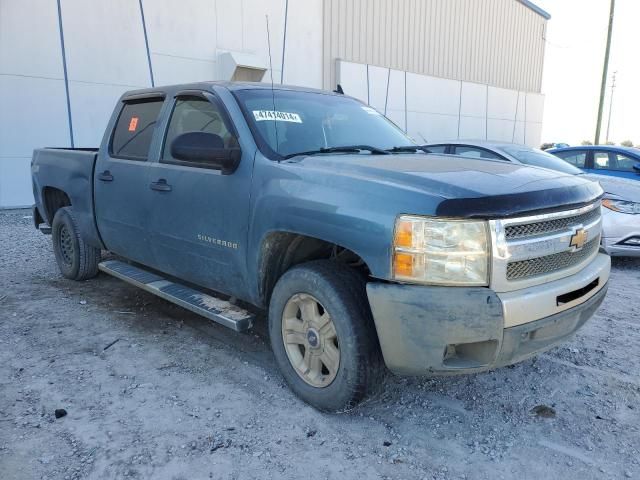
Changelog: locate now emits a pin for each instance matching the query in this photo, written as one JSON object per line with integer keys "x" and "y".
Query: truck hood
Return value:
{"x": 467, "y": 187}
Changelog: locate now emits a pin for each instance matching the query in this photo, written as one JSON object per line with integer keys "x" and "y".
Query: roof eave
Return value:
{"x": 536, "y": 9}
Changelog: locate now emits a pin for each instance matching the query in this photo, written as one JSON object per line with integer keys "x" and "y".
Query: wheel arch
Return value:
{"x": 53, "y": 200}
{"x": 280, "y": 250}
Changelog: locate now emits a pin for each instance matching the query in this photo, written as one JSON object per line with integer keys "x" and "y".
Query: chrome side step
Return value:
{"x": 213, "y": 308}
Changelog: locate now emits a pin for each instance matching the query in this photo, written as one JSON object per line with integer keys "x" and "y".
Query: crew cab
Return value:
{"x": 367, "y": 253}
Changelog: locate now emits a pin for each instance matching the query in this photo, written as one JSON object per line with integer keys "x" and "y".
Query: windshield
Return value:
{"x": 538, "y": 158}
{"x": 307, "y": 121}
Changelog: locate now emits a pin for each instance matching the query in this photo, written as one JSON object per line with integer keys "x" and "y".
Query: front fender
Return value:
{"x": 352, "y": 212}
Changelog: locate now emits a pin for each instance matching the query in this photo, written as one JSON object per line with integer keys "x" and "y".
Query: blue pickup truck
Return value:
{"x": 232, "y": 198}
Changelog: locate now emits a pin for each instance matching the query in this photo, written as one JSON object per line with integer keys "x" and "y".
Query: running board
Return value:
{"x": 216, "y": 309}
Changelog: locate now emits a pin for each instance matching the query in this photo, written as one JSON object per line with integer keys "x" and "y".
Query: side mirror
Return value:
{"x": 206, "y": 150}
{"x": 636, "y": 167}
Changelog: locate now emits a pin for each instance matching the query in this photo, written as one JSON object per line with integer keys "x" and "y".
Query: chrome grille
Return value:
{"x": 550, "y": 226}
{"x": 550, "y": 263}
{"x": 534, "y": 249}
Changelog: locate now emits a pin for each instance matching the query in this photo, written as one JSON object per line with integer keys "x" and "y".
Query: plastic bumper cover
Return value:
{"x": 444, "y": 330}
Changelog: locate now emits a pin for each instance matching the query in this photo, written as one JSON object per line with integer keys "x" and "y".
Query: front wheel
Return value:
{"x": 323, "y": 336}
{"x": 75, "y": 258}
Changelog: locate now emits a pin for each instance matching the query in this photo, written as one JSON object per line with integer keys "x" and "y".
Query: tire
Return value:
{"x": 341, "y": 293}
{"x": 75, "y": 258}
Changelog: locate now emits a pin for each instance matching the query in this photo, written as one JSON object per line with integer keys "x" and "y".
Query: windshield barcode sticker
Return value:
{"x": 261, "y": 115}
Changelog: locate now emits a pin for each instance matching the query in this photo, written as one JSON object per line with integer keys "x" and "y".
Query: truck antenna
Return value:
{"x": 273, "y": 95}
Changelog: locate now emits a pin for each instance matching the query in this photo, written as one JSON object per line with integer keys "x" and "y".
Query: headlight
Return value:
{"x": 621, "y": 206}
{"x": 441, "y": 252}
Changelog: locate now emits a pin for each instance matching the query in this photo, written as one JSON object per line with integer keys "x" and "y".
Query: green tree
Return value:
{"x": 626, "y": 143}
{"x": 586, "y": 142}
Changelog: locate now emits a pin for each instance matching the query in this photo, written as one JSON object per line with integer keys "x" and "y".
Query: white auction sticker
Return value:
{"x": 261, "y": 115}
{"x": 370, "y": 111}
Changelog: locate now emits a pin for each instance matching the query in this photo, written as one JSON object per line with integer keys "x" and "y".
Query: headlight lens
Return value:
{"x": 621, "y": 206}
{"x": 441, "y": 252}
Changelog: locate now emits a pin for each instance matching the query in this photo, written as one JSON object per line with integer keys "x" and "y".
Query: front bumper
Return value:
{"x": 449, "y": 330}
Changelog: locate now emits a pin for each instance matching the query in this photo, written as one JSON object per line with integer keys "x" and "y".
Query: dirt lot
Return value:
{"x": 177, "y": 397}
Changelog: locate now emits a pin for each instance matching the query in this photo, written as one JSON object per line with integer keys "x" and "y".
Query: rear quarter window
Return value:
{"x": 134, "y": 129}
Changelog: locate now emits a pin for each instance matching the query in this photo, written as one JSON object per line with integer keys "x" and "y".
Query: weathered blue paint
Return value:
{"x": 348, "y": 200}
{"x": 416, "y": 324}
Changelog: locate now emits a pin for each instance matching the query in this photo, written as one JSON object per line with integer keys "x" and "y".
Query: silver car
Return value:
{"x": 621, "y": 215}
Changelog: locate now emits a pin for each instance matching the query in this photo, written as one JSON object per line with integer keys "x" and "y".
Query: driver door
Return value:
{"x": 199, "y": 219}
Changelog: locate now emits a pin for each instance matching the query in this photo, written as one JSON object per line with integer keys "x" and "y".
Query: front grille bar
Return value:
{"x": 544, "y": 227}
{"x": 550, "y": 263}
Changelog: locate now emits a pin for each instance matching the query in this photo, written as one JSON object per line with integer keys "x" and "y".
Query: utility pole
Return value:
{"x": 613, "y": 85}
{"x": 605, "y": 67}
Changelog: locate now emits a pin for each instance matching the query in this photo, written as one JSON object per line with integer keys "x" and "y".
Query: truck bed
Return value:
{"x": 68, "y": 170}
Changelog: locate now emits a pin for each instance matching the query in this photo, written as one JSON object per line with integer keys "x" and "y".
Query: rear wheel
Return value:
{"x": 75, "y": 258}
{"x": 323, "y": 336}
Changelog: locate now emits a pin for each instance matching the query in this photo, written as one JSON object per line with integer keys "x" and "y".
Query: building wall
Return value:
{"x": 495, "y": 42}
{"x": 105, "y": 48}
{"x": 432, "y": 109}
{"x": 106, "y": 55}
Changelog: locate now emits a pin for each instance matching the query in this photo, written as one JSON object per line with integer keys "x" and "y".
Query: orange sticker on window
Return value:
{"x": 133, "y": 124}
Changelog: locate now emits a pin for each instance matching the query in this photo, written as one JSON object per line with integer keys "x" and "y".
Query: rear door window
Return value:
{"x": 577, "y": 159}
{"x": 602, "y": 161}
{"x": 134, "y": 129}
{"x": 437, "y": 148}
{"x": 474, "y": 152}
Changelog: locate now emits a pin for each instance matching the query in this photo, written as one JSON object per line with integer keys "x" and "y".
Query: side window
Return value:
{"x": 437, "y": 148}
{"x": 624, "y": 163}
{"x": 577, "y": 159}
{"x": 602, "y": 161}
{"x": 134, "y": 129}
{"x": 473, "y": 152}
{"x": 195, "y": 114}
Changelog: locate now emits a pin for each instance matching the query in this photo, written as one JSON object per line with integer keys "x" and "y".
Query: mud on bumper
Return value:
{"x": 438, "y": 330}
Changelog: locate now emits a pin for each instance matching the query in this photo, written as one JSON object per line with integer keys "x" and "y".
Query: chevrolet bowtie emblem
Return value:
{"x": 579, "y": 238}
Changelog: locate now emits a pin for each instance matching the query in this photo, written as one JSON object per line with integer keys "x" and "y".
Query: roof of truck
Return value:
{"x": 233, "y": 86}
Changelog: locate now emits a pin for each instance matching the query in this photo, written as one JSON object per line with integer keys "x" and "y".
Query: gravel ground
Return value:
{"x": 177, "y": 397}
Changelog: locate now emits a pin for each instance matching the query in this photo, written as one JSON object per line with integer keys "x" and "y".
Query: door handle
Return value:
{"x": 161, "y": 185}
{"x": 105, "y": 176}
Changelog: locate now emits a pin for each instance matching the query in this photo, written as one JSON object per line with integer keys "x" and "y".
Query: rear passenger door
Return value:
{"x": 121, "y": 180}
{"x": 199, "y": 220}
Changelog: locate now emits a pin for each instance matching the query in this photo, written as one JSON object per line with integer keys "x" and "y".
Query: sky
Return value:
{"x": 574, "y": 55}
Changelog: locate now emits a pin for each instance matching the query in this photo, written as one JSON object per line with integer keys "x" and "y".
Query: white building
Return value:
{"x": 441, "y": 69}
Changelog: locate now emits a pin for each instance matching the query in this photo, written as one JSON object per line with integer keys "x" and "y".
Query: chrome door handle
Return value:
{"x": 105, "y": 176}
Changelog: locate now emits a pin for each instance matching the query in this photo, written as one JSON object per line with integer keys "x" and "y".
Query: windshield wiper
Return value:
{"x": 345, "y": 149}
{"x": 408, "y": 149}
